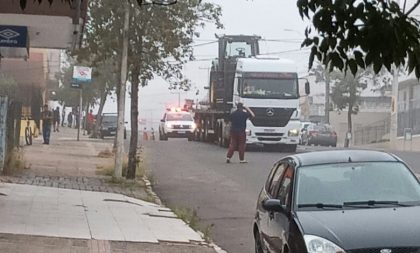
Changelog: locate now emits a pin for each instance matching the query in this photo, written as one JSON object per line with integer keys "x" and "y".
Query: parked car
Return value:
{"x": 321, "y": 134}
{"x": 109, "y": 125}
{"x": 341, "y": 201}
{"x": 176, "y": 124}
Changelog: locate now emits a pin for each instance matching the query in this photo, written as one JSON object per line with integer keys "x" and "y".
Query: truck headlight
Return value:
{"x": 248, "y": 132}
{"x": 193, "y": 126}
{"x": 315, "y": 244}
{"x": 293, "y": 132}
{"x": 168, "y": 125}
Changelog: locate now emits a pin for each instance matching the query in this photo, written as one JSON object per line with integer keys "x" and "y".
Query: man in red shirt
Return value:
{"x": 90, "y": 121}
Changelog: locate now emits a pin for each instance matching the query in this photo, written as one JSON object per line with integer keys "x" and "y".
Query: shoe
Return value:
{"x": 227, "y": 160}
{"x": 243, "y": 161}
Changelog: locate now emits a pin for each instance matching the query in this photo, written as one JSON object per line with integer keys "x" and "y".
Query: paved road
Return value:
{"x": 195, "y": 175}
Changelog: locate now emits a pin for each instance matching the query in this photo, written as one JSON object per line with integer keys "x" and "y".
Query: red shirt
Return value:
{"x": 90, "y": 118}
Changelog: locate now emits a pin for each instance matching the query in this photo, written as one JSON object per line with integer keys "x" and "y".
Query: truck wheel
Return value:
{"x": 220, "y": 138}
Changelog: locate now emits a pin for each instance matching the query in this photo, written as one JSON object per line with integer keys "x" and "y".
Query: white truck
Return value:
{"x": 269, "y": 87}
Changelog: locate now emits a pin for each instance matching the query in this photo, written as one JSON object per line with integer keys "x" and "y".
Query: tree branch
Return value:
{"x": 413, "y": 8}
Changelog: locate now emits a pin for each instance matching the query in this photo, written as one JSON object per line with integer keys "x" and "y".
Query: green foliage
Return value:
{"x": 160, "y": 37}
{"x": 348, "y": 87}
{"x": 353, "y": 34}
{"x": 103, "y": 80}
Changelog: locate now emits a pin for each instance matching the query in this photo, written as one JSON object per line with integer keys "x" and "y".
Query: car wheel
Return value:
{"x": 258, "y": 244}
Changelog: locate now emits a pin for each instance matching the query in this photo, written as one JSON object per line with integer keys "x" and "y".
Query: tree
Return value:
{"x": 355, "y": 34}
{"x": 346, "y": 93}
{"x": 160, "y": 42}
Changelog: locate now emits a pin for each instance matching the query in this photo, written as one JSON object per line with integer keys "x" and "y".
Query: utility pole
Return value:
{"x": 80, "y": 113}
{"x": 327, "y": 97}
{"x": 394, "y": 104}
{"x": 121, "y": 99}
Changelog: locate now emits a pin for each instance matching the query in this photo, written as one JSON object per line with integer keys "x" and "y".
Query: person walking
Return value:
{"x": 238, "y": 120}
{"x": 56, "y": 119}
{"x": 70, "y": 119}
{"x": 90, "y": 121}
{"x": 47, "y": 117}
{"x": 63, "y": 116}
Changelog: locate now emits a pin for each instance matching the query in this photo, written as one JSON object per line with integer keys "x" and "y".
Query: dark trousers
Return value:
{"x": 237, "y": 142}
{"x": 46, "y": 131}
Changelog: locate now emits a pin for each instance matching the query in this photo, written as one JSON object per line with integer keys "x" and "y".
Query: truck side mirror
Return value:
{"x": 307, "y": 88}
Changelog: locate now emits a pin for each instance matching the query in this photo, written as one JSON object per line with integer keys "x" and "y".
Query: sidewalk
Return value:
{"x": 47, "y": 207}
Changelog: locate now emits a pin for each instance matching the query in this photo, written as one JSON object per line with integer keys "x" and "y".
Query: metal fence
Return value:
{"x": 409, "y": 116}
{"x": 374, "y": 133}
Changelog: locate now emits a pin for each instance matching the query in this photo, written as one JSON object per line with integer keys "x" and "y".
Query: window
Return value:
{"x": 238, "y": 49}
{"x": 178, "y": 117}
{"x": 284, "y": 189}
{"x": 274, "y": 179}
{"x": 348, "y": 182}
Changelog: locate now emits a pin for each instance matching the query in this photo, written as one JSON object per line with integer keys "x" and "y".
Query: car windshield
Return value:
{"x": 178, "y": 117}
{"x": 109, "y": 119}
{"x": 370, "y": 182}
{"x": 269, "y": 88}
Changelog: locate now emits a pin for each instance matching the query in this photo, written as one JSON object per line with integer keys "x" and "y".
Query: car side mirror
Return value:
{"x": 307, "y": 88}
{"x": 273, "y": 205}
{"x": 162, "y": 120}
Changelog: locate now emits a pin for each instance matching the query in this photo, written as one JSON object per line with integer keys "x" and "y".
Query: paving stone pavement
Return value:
{"x": 18, "y": 244}
{"x": 98, "y": 184}
{"x": 68, "y": 164}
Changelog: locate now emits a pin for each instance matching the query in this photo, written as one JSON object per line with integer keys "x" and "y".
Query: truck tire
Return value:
{"x": 220, "y": 138}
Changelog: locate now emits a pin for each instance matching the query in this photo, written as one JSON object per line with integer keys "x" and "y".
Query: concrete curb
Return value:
{"x": 157, "y": 200}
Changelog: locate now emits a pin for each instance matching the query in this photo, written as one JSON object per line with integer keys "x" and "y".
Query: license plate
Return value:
{"x": 113, "y": 132}
{"x": 269, "y": 130}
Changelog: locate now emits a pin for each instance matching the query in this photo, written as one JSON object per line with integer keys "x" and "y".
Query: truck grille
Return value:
{"x": 181, "y": 126}
{"x": 280, "y": 117}
{"x": 394, "y": 250}
{"x": 269, "y": 134}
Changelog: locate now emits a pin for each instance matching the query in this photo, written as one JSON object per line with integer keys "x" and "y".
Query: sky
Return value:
{"x": 271, "y": 19}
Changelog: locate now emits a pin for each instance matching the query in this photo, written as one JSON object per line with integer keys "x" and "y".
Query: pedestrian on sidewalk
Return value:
{"x": 238, "y": 121}
{"x": 47, "y": 117}
{"x": 90, "y": 122}
{"x": 63, "y": 116}
{"x": 56, "y": 119}
{"x": 70, "y": 119}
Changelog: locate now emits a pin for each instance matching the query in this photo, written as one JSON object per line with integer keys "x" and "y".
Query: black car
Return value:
{"x": 109, "y": 125}
{"x": 344, "y": 201}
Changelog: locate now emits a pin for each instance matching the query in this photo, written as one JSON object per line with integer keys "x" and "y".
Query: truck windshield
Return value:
{"x": 269, "y": 88}
{"x": 238, "y": 49}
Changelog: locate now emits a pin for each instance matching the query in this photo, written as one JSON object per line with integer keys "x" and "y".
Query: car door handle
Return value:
{"x": 271, "y": 215}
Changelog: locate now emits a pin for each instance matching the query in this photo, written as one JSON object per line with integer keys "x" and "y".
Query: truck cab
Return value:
{"x": 270, "y": 88}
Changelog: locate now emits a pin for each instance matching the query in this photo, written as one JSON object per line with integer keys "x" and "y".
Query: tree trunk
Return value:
{"x": 132, "y": 155}
{"x": 96, "y": 132}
